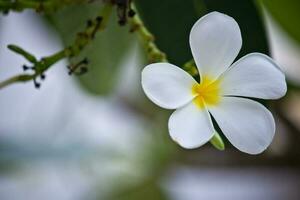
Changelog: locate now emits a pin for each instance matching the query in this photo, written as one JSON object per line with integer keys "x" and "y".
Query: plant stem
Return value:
{"x": 153, "y": 52}
{"x": 81, "y": 41}
{"x": 14, "y": 79}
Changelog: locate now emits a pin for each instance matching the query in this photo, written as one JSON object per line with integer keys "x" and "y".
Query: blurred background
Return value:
{"x": 97, "y": 136}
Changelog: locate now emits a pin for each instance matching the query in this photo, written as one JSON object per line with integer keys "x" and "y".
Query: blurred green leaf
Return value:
{"x": 171, "y": 22}
{"x": 248, "y": 17}
{"x": 104, "y": 53}
{"x": 286, "y": 13}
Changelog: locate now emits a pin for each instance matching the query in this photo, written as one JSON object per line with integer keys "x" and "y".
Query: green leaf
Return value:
{"x": 104, "y": 53}
{"x": 286, "y": 13}
{"x": 217, "y": 142}
{"x": 171, "y": 22}
{"x": 248, "y": 17}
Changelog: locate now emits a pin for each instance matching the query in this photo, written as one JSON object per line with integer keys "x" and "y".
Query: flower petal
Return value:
{"x": 215, "y": 40}
{"x": 254, "y": 75}
{"x": 190, "y": 126}
{"x": 248, "y": 125}
{"x": 167, "y": 85}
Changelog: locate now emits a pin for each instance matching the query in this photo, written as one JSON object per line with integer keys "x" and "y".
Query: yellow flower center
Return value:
{"x": 208, "y": 92}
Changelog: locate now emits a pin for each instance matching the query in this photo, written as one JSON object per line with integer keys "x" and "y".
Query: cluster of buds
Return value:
{"x": 42, "y": 76}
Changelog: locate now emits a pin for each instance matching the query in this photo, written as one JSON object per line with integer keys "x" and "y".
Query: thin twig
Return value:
{"x": 82, "y": 40}
{"x": 153, "y": 52}
{"x": 18, "y": 78}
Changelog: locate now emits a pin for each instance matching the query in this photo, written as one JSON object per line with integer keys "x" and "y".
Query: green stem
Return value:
{"x": 14, "y": 79}
{"x": 82, "y": 40}
{"x": 153, "y": 52}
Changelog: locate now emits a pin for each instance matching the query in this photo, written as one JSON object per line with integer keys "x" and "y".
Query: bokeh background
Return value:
{"x": 97, "y": 136}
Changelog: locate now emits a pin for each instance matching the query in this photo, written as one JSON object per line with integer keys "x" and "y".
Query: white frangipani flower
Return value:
{"x": 215, "y": 40}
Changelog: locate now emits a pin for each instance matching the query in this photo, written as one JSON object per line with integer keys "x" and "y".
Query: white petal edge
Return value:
{"x": 215, "y": 41}
{"x": 190, "y": 126}
{"x": 167, "y": 85}
{"x": 254, "y": 75}
{"x": 248, "y": 125}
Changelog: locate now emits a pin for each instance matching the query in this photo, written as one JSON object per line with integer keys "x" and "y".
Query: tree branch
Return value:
{"x": 153, "y": 52}
{"x": 82, "y": 40}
